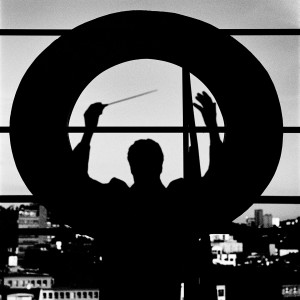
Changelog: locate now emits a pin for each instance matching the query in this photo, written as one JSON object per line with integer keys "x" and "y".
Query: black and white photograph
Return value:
{"x": 149, "y": 149}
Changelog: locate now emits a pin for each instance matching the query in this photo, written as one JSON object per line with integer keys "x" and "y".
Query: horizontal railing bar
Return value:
{"x": 263, "y": 31}
{"x": 264, "y": 199}
{"x": 17, "y": 199}
{"x": 33, "y": 32}
{"x": 166, "y": 129}
{"x": 230, "y": 31}
{"x": 150, "y": 129}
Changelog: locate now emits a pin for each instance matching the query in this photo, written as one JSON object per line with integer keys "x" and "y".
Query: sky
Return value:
{"x": 278, "y": 54}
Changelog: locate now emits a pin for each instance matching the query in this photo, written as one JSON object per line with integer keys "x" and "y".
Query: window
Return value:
{"x": 67, "y": 295}
{"x": 90, "y": 294}
{"x": 50, "y": 295}
{"x": 84, "y": 295}
{"x": 287, "y": 135}
{"x": 96, "y": 295}
{"x": 55, "y": 295}
{"x": 44, "y": 283}
{"x": 45, "y": 295}
{"x": 79, "y": 295}
{"x": 62, "y": 295}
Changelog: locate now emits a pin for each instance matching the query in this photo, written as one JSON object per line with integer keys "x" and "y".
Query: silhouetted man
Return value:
{"x": 143, "y": 229}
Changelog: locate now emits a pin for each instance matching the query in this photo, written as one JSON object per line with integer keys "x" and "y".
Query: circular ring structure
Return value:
{"x": 242, "y": 87}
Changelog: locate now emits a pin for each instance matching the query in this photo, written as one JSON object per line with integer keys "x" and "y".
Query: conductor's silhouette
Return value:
{"x": 141, "y": 228}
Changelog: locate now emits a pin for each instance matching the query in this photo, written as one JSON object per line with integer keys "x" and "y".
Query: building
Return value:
{"x": 221, "y": 292}
{"x": 27, "y": 280}
{"x": 35, "y": 286}
{"x": 291, "y": 291}
{"x": 258, "y": 216}
{"x": 226, "y": 243}
{"x": 8, "y": 234}
{"x": 217, "y": 237}
{"x": 250, "y": 222}
{"x": 69, "y": 293}
{"x": 31, "y": 216}
{"x": 290, "y": 222}
{"x": 276, "y": 222}
{"x": 221, "y": 258}
{"x": 267, "y": 221}
{"x": 283, "y": 252}
{"x": 225, "y": 249}
{"x": 273, "y": 251}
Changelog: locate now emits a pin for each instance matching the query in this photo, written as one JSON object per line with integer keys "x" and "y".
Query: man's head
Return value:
{"x": 146, "y": 159}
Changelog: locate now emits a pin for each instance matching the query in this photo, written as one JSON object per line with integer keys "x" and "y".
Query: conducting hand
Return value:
{"x": 207, "y": 109}
{"x": 92, "y": 114}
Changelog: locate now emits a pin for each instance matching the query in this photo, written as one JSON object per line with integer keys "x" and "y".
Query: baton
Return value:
{"x": 129, "y": 98}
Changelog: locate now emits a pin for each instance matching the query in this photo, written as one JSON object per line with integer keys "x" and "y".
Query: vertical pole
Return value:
{"x": 196, "y": 267}
{"x": 192, "y": 174}
{"x": 192, "y": 167}
{"x": 185, "y": 110}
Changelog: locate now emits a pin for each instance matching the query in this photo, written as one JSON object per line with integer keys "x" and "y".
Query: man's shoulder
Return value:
{"x": 176, "y": 185}
{"x": 95, "y": 187}
{"x": 118, "y": 184}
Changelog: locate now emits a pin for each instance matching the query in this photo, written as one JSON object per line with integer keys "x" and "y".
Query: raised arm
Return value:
{"x": 91, "y": 117}
{"x": 81, "y": 152}
{"x": 208, "y": 110}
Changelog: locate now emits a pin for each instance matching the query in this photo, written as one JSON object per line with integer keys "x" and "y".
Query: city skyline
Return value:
{"x": 267, "y": 209}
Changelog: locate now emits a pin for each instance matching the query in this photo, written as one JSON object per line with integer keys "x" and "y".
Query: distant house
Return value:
{"x": 23, "y": 285}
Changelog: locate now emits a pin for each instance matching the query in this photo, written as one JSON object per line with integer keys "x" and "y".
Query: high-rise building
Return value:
{"x": 267, "y": 221}
{"x": 31, "y": 216}
{"x": 8, "y": 234}
{"x": 258, "y": 216}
